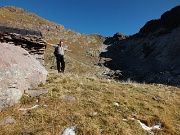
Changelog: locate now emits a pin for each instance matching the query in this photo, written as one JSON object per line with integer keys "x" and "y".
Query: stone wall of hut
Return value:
{"x": 27, "y": 39}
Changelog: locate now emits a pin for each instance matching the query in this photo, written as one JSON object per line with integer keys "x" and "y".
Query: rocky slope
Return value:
{"x": 152, "y": 55}
{"x": 149, "y": 56}
{"x": 24, "y": 73}
{"x": 85, "y": 47}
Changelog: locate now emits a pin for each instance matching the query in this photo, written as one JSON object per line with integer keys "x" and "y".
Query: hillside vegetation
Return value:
{"x": 96, "y": 106}
{"x": 85, "y": 47}
{"x": 83, "y": 97}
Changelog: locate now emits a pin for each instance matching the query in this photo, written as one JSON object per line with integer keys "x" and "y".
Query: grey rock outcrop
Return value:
{"x": 9, "y": 97}
{"x": 7, "y": 120}
{"x": 36, "y": 93}
{"x": 116, "y": 38}
{"x": 18, "y": 71}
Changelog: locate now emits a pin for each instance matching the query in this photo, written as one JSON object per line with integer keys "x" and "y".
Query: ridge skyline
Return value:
{"x": 96, "y": 17}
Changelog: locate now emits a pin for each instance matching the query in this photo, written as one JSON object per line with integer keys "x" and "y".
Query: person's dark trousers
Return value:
{"x": 60, "y": 60}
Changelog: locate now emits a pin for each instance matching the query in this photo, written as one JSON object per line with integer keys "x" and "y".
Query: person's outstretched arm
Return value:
{"x": 47, "y": 42}
{"x": 68, "y": 50}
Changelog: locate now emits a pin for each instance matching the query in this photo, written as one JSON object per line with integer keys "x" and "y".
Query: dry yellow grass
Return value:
{"x": 100, "y": 107}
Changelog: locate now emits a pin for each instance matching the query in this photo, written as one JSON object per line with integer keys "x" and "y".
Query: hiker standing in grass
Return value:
{"x": 59, "y": 53}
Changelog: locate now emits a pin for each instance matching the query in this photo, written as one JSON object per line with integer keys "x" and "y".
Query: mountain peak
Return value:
{"x": 170, "y": 19}
{"x": 14, "y": 9}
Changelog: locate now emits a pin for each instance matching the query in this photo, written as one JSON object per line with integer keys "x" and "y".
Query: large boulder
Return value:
{"x": 18, "y": 71}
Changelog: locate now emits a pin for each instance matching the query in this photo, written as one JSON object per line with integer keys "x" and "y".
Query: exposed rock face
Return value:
{"x": 18, "y": 71}
{"x": 168, "y": 21}
{"x": 152, "y": 55}
{"x": 116, "y": 38}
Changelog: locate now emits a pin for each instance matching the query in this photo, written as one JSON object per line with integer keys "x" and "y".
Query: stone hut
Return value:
{"x": 28, "y": 39}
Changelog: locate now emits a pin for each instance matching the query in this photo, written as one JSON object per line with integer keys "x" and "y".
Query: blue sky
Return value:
{"x": 104, "y": 17}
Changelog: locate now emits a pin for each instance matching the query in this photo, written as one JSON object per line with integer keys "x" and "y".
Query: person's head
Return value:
{"x": 60, "y": 43}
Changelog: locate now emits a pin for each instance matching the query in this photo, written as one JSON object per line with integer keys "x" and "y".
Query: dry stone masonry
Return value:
{"x": 27, "y": 39}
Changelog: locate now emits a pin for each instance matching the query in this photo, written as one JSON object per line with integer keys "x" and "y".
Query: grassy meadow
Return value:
{"x": 96, "y": 106}
{"x": 82, "y": 97}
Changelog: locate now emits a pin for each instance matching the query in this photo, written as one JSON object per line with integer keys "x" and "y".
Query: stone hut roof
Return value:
{"x": 28, "y": 39}
{"x": 5, "y": 29}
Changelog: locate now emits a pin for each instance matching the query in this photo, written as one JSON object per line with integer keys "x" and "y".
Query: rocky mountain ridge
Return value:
{"x": 150, "y": 56}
